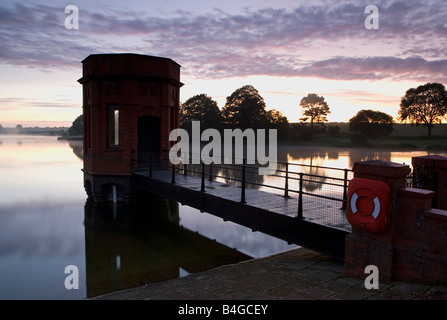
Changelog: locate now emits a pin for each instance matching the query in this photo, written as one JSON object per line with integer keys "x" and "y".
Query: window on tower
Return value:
{"x": 112, "y": 126}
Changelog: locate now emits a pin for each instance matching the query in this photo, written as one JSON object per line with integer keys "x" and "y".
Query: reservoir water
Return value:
{"x": 47, "y": 224}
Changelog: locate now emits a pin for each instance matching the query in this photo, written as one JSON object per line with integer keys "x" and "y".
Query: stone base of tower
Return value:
{"x": 110, "y": 188}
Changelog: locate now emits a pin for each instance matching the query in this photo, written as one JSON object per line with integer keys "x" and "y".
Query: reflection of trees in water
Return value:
{"x": 228, "y": 173}
{"x": 232, "y": 174}
{"x": 356, "y": 155}
{"x": 77, "y": 148}
{"x": 312, "y": 183}
{"x": 294, "y": 154}
{"x": 313, "y": 178}
{"x": 316, "y": 157}
{"x": 235, "y": 172}
{"x": 302, "y": 155}
{"x": 313, "y": 158}
{"x": 332, "y": 154}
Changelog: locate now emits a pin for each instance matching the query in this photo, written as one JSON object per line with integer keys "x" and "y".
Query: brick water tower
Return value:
{"x": 130, "y": 105}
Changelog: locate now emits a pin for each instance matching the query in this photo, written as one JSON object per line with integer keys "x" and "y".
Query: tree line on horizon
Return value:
{"x": 245, "y": 108}
{"x": 33, "y": 130}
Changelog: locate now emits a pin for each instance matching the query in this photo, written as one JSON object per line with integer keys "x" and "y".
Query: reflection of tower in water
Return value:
{"x": 116, "y": 255}
{"x": 128, "y": 245}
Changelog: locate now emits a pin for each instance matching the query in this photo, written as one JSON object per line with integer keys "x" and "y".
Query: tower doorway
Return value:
{"x": 148, "y": 138}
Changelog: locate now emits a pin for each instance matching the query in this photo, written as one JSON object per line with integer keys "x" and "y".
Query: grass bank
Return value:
{"x": 403, "y": 137}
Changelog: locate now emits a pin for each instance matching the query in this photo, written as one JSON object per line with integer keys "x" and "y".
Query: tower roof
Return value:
{"x": 114, "y": 65}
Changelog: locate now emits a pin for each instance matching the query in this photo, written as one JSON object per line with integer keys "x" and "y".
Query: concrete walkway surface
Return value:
{"x": 298, "y": 274}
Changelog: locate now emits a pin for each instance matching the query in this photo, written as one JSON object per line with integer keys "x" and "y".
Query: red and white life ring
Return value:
{"x": 368, "y": 204}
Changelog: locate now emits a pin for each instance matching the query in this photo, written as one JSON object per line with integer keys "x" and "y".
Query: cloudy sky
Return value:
{"x": 284, "y": 48}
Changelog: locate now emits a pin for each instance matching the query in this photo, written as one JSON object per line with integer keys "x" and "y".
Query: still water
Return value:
{"x": 46, "y": 224}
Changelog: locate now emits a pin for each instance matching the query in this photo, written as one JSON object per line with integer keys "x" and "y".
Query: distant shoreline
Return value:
{"x": 434, "y": 144}
{"x": 405, "y": 137}
{"x": 71, "y": 138}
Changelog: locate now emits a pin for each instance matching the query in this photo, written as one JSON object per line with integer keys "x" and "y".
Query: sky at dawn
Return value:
{"x": 286, "y": 49}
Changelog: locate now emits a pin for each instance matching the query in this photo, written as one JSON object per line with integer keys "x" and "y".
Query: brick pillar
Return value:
{"x": 364, "y": 247}
{"x": 435, "y": 257}
{"x": 410, "y": 234}
{"x": 431, "y": 172}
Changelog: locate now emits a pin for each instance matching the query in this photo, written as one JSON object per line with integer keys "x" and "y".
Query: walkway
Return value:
{"x": 263, "y": 211}
{"x": 316, "y": 210}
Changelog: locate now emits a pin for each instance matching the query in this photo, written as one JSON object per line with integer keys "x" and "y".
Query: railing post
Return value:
{"x": 184, "y": 169}
{"x": 173, "y": 174}
{"x": 150, "y": 165}
{"x": 345, "y": 190}
{"x": 286, "y": 186}
{"x": 300, "y": 198}
{"x": 202, "y": 187}
{"x": 243, "y": 184}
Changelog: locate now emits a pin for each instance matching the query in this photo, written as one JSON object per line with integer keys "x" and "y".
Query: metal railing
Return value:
{"x": 289, "y": 179}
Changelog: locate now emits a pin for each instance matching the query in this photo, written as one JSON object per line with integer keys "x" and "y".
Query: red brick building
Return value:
{"x": 130, "y": 105}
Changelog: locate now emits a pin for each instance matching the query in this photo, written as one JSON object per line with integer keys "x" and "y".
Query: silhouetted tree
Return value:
{"x": 276, "y": 117}
{"x": 77, "y": 127}
{"x": 278, "y": 121}
{"x": 371, "y": 123}
{"x": 315, "y": 110}
{"x": 426, "y": 105}
{"x": 245, "y": 108}
{"x": 200, "y": 108}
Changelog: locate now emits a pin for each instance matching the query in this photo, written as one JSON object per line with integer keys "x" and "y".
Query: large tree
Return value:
{"x": 200, "y": 108}
{"x": 426, "y": 105}
{"x": 278, "y": 121}
{"x": 372, "y": 123}
{"x": 245, "y": 108}
{"x": 315, "y": 109}
{"x": 77, "y": 127}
